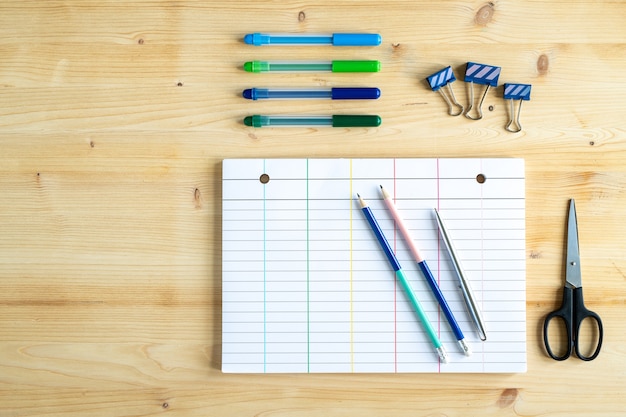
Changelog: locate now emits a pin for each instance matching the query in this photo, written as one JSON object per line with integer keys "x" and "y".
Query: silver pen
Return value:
{"x": 468, "y": 296}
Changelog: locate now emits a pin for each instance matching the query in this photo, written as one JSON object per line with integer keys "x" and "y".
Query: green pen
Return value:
{"x": 337, "y": 120}
{"x": 327, "y": 66}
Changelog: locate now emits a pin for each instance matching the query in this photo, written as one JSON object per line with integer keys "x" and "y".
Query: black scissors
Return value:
{"x": 573, "y": 311}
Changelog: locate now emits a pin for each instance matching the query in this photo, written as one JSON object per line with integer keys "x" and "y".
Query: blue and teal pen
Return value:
{"x": 421, "y": 262}
{"x": 335, "y": 39}
{"x": 369, "y": 216}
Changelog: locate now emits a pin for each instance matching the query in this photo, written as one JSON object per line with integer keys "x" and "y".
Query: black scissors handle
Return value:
{"x": 573, "y": 312}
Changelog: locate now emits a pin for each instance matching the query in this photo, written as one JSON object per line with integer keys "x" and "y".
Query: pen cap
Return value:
{"x": 256, "y": 66}
{"x": 346, "y": 120}
{"x": 355, "y": 66}
{"x": 356, "y": 39}
{"x": 347, "y": 93}
{"x": 256, "y": 39}
{"x": 255, "y": 121}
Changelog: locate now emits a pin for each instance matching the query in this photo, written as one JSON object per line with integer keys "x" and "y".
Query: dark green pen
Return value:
{"x": 337, "y": 120}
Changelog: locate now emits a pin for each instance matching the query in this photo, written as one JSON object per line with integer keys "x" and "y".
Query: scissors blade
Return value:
{"x": 573, "y": 276}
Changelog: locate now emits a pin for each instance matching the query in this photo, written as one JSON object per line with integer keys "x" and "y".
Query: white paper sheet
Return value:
{"x": 306, "y": 287}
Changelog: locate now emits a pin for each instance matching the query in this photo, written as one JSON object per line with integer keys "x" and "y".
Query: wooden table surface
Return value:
{"x": 115, "y": 117}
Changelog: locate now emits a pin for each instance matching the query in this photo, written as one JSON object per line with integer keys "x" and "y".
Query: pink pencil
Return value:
{"x": 426, "y": 271}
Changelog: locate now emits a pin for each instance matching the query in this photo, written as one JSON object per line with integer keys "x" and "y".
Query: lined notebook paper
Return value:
{"x": 306, "y": 287}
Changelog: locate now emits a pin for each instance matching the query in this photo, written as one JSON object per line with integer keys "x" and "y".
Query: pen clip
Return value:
{"x": 472, "y": 308}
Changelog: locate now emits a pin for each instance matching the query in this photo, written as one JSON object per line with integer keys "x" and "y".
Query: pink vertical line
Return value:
{"x": 351, "y": 275}
{"x": 438, "y": 261}
{"x": 395, "y": 284}
{"x": 264, "y": 274}
{"x": 482, "y": 253}
{"x": 308, "y": 276}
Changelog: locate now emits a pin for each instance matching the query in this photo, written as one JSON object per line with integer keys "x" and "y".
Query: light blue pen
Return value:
{"x": 335, "y": 39}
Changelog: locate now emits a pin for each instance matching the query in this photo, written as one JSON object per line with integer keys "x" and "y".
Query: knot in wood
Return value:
{"x": 485, "y": 14}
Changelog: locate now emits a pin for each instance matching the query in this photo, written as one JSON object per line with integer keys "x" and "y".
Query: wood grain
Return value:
{"x": 114, "y": 119}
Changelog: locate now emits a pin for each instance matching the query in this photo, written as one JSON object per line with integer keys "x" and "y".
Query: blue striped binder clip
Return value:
{"x": 442, "y": 79}
{"x": 514, "y": 92}
{"x": 480, "y": 74}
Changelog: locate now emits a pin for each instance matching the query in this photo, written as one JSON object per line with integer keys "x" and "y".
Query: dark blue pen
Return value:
{"x": 334, "y": 93}
{"x": 432, "y": 283}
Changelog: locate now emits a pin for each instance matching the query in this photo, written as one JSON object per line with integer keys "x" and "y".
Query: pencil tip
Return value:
{"x": 384, "y": 192}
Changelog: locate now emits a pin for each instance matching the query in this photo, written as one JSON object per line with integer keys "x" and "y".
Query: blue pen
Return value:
{"x": 421, "y": 262}
{"x": 335, "y": 39}
{"x": 441, "y": 351}
{"x": 335, "y": 93}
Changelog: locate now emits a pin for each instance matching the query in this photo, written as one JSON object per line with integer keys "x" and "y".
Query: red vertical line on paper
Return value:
{"x": 395, "y": 282}
{"x": 264, "y": 277}
{"x": 308, "y": 276}
{"x": 438, "y": 259}
{"x": 482, "y": 254}
{"x": 350, "y": 207}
